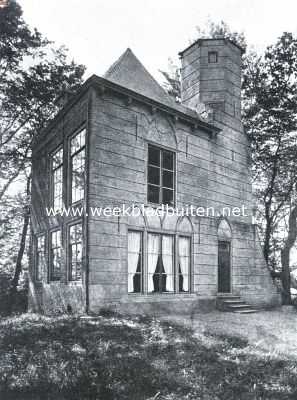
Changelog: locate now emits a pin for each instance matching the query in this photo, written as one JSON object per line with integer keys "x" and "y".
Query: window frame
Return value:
{"x": 69, "y": 275}
{"x": 142, "y": 266}
{"x": 175, "y": 236}
{"x": 52, "y": 172}
{"x": 70, "y": 163}
{"x": 50, "y": 265}
{"x": 214, "y": 54}
{"x": 190, "y": 238}
{"x": 161, "y": 187}
{"x": 36, "y": 264}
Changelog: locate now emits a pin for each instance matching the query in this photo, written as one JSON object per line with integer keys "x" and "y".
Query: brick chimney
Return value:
{"x": 211, "y": 75}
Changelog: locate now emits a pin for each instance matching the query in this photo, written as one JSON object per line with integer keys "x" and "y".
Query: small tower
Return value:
{"x": 211, "y": 74}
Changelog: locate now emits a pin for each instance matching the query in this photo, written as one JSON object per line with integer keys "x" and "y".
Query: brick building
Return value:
{"x": 123, "y": 140}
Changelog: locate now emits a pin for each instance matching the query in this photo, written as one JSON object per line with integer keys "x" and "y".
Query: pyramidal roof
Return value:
{"x": 128, "y": 71}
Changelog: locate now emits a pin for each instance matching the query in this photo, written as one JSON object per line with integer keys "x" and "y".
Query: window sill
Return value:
{"x": 187, "y": 294}
{"x": 156, "y": 205}
{"x": 75, "y": 283}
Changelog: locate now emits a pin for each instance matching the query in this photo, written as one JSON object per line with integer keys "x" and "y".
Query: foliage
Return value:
{"x": 34, "y": 74}
{"x": 132, "y": 358}
{"x": 218, "y": 30}
{"x": 270, "y": 118}
{"x": 172, "y": 80}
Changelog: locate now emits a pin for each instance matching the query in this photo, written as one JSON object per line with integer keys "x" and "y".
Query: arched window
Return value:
{"x": 224, "y": 230}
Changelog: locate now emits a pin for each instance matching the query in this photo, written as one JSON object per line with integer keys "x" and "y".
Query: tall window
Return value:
{"x": 40, "y": 257}
{"x": 57, "y": 179}
{"x": 161, "y": 176}
{"x": 135, "y": 267}
{"x": 160, "y": 263}
{"x": 184, "y": 263}
{"x": 75, "y": 251}
{"x": 55, "y": 255}
{"x": 77, "y": 153}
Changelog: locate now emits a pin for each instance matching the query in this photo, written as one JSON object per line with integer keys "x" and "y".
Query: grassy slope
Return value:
{"x": 135, "y": 358}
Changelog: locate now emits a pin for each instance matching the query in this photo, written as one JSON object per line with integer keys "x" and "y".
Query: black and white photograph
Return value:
{"x": 148, "y": 200}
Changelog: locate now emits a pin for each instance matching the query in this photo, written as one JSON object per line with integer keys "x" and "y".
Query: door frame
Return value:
{"x": 231, "y": 266}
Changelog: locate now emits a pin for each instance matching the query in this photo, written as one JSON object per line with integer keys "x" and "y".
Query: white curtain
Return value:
{"x": 184, "y": 260}
{"x": 153, "y": 254}
{"x": 134, "y": 241}
{"x": 167, "y": 257}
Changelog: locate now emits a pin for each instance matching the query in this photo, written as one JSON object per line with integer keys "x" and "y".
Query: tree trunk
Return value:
{"x": 285, "y": 256}
{"x": 267, "y": 238}
{"x": 21, "y": 252}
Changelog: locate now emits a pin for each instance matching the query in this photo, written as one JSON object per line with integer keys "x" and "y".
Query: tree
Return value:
{"x": 217, "y": 30}
{"x": 270, "y": 118}
{"x": 33, "y": 75}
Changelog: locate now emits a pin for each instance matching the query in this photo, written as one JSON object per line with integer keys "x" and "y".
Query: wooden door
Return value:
{"x": 224, "y": 267}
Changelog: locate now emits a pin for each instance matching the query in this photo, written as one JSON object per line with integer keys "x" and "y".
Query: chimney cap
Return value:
{"x": 200, "y": 40}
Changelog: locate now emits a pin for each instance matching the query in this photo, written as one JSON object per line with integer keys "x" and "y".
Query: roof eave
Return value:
{"x": 97, "y": 81}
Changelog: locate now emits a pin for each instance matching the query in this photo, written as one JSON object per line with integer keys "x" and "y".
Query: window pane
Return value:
{"x": 153, "y": 248}
{"x": 58, "y": 188}
{"x": 75, "y": 251}
{"x": 57, "y": 180}
{"x": 167, "y": 160}
{"x": 153, "y": 194}
{"x": 154, "y": 156}
{"x": 55, "y": 267}
{"x": 78, "y": 176}
{"x": 134, "y": 262}
{"x": 167, "y": 258}
{"x": 78, "y": 141}
{"x": 57, "y": 159}
{"x": 212, "y": 57}
{"x": 154, "y": 175}
{"x": 40, "y": 258}
{"x": 168, "y": 197}
{"x": 168, "y": 179}
{"x": 184, "y": 246}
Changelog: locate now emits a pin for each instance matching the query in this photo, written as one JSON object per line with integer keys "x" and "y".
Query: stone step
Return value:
{"x": 239, "y": 306}
{"x": 234, "y": 304}
{"x": 250, "y": 311}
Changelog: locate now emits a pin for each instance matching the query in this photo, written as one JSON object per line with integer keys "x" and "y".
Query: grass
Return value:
{"x": 136, "y": 358}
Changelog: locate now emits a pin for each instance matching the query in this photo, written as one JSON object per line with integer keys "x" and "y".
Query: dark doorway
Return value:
{"x": 224, "y": 267}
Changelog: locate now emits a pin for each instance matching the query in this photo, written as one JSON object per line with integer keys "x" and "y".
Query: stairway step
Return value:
{"x": 239, "y": 306}
{"x": 250, "y": 311}
{"x": 234, "y": 303}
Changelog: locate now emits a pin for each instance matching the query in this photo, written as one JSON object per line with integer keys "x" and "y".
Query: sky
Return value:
{"x": 97, "y": 32}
